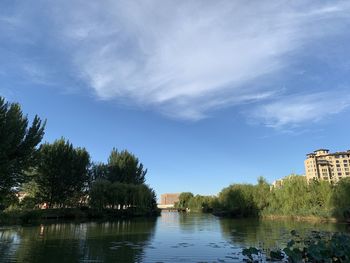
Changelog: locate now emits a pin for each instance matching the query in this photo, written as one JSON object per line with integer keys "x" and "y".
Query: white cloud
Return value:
{"x": 292, "y": 111}
{"x": 172, "y": 54}
{"x": 185, "y": 58}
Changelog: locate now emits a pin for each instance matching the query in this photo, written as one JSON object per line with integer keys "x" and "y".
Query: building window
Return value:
{"x": 347, "y": 173}
{"x": 338, "y": 165}
{"x": 339, "y": 174}
{"x": 337, "y": 161}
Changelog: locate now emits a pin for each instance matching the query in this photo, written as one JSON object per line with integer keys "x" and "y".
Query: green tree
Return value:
{"x": 99, "y": 194}
{"x": 341, "y": 199}
{"x": 320, "y": 195}
{"x": 200, "y": 203}
{"x": 62, "y": 173}
{"x": 18, "y": 142}
{"x": 261, "y": 194}
{"x": 125, "y": 167}
{"x": 184, "y": 199}
{"x": 238, "y": 200}
{"x": 31, "y": 190}
{"x": 292, "y": 198}
{"x": 98, "y": 171}
{"x": 120, "y": 183}
{"x": 104, "y": 194}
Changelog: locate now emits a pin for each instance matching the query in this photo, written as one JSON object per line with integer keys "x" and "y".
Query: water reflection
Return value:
{"x": 173, "y": 237}
{"x": 67, "y": 242}
{"x": 270, "y": 233}
{"x": 182, "y": 237}
{"x": 9, "y": 240}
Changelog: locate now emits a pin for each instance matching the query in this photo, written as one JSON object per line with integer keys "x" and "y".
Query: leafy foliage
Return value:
{"x": 316, "y": 247}
{"x": 200, "y": 203}
{"x": 98, "y": 171}
{"x": 120, "y": 183}
{"x": 295, "y": 197}
{"x": 125, "y": 167}
{"x": 62, "y": 173}
{"x": 105, "y": 194}
{"x": 195, "y": 203}
{"x": 340, "y": 199}
{"x": 184, "y": 199}
{"x": 31, "y": 198}
{"x": 59, "y": 174}
{"x": 238, "y": 200}
{"x": 243, "y": 199}
{"x": 18, "y": 143}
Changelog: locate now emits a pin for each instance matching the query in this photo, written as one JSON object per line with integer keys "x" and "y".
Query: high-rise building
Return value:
{"x": 323, "y": 165}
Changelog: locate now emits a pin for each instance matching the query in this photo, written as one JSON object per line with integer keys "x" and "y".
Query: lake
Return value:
{"x": 172, "y": 237}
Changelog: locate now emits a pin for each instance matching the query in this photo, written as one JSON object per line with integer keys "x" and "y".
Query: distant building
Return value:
{"x": 168, "y": 200}
{"x": 323, "y": 165}
{"x": 279, "y": 183}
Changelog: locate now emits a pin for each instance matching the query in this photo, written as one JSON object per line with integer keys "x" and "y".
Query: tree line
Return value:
{"x": 295, "y": 197}
{"x": 60, "y": 175}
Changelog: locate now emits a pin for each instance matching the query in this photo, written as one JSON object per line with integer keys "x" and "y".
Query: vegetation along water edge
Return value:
{"x": 56, "y": 180}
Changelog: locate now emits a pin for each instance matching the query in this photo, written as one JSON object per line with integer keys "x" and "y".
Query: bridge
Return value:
{"x": 167, "y": 206}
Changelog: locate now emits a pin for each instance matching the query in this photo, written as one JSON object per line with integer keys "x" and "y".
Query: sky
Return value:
{"x": 204, "y": 93}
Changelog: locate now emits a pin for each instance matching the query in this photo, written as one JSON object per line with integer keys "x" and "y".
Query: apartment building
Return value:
{"x": 323, "y": 165}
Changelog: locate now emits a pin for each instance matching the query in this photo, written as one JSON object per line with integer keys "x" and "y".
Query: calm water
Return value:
{"x": 172, "y": 238}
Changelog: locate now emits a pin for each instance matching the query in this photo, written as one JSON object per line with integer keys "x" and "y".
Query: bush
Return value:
{"x": 316, "y": 247}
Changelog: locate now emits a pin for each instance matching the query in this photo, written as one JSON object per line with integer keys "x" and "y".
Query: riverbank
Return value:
{"x": 41, "y": 215}
{"x": 308, "y": 218}
{"x": 305, "y": 218}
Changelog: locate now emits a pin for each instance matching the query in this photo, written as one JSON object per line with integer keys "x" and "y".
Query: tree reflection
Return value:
{"x": 269, "y": 233}
{"x": 119, "y": 241}
{"x": 194, "y": 222}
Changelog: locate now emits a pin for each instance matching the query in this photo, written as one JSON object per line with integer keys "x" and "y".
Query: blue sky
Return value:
{"x": 205, "y": 93}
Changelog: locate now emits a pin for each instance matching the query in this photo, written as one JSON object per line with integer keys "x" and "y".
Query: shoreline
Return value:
{"x": 304, "y": 218}
{"x": 37, "y": 216}
{"x": 310, "y": 218}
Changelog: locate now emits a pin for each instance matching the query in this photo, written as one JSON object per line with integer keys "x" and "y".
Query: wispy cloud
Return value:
{"x": 292, "y": 111}
{"x": 185, "y": 58}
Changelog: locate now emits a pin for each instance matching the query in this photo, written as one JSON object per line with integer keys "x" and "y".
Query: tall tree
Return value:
{"x": 62, "y": 173}
{"x": 124, "y": 167}
{"x": 18, "y": 142}
{"x": 98, "y": 171}
{"x": 184, "y": 199}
